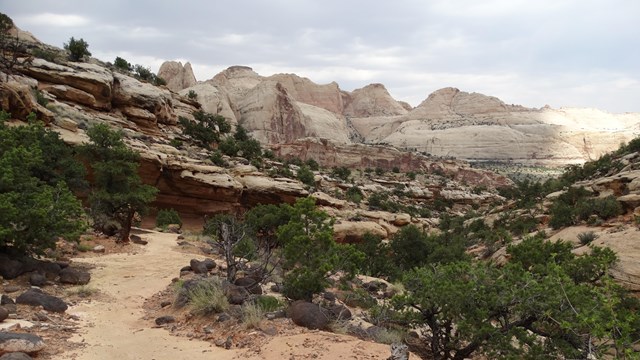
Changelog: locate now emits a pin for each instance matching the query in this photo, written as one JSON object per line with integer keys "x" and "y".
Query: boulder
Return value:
{"x": 236, "y": 295}
{"x": 10, "y": 268}
{"x": 15, "y": 356}
{"x": 309, "y": 315}
{"x": 339, "y": 312}
{"x": 178, "y": 77}
{"x": 353, "y": 231}
{"x": 4, "y": 313}
{"x": 37, "y": 279}
{"x": 209, "y": 263}
{"x": 167, "y": 319}
{"x": 74, "y": 276}
{"x": 36, "y": 297}
{"x": 14, "y": 342}
{"x": 198, "y": 267}
{"x": 252, "y": 286}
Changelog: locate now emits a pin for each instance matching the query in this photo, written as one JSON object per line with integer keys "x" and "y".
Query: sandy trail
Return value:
{"x": 112, "y": 326}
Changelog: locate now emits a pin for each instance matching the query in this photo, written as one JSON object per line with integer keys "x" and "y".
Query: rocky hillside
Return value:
{"x": 300, "y": 119}
{"x": 451, "y": 123}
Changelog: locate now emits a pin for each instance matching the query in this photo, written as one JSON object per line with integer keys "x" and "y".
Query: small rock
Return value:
{"x": 276, "y": 315}
{"x": 15, "y": 356}
{"x": 329, "y": 296}
{"x": 209, "y": 263}
{"x": 236, "y": 295}
{"x": 11, "y": 289}
{"x": 198, "y": 267}
{"x": 4, "y": 313}
{"x": 4, "y": 300}
{"x": 180, "y": 237}
{"x": 74, "y": 276}
{"x": 36, "y": 297}
{"x": 138, "y": 240}
{"x": 165, "y": 303}
{"x": 99, "y": 249}
{"x": 277, "y": 288}
{"x": 173, "y": 228}
{"x": 223, "y": 317}
{"x": 165, "y": 320}
{"x": 269, "y": 330}
{"x": 252, "y": 286}
{"x": 14, "y": 342}
{"x": 37, "y": 279}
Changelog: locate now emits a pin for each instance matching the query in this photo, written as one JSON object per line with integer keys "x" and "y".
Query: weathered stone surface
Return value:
{"x": 91, "y": 79}
{"x": 372, "y": 100}
{"x": 4, "y": 313}
{"x": 37, "y": 279}
{"x": 74, "y": 276}
{"x": 198, "y": 267}
{"x": 167, "y": 319}
{"x": 152, "y": 104}
{"x": 252, "y": 286}
{"x": 15, "y": 356}
{"x": 15, "y": 342}
{"x": 309, "y": 315}
{"x": 36, "y": 297}
{"x": 353, "y": 231}
{"x": 236, "y": 295}
{"x": 176, "y": 75}
{"x": 20, "y": 100}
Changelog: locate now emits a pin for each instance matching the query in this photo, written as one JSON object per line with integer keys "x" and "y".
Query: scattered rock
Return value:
{"x": 4, "y": 313}
{"x": 223, "y": 317}
{"x": 11, "y": 289}
{"x": 14, "y": 342}
{"x": 165, "y": 320}
{"x": 10, "y": 268}
{"x": 36, "y": 297}
{"x": 99, "y": 249}
{"x": 252, "y": 286}
{"x": 198, "y": 267}
{"x": 165, "y": 303}
{"x": 15, "y": 356}
{"x": 276, "y": 314}
{"x": 277, "y": 288}
{"x": 37, "y": 279}
{"x": 138, "y": 240}
{"x": 236, "y": 295}
{"x": 173, "y": 228}
{"x": 74, "y": 276}
{"x": 399, "y": 351}
{"x": 309, "y": 315}
{"x": 269, "y": 330}
{"x": 209, "y": 263}
{"x": 329, "y": 296}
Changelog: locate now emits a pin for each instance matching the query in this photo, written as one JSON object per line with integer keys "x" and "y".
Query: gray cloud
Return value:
{"x": 556, "y": 52}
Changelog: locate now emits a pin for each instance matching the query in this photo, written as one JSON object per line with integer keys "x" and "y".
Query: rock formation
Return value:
{"x": 178, "y": 77}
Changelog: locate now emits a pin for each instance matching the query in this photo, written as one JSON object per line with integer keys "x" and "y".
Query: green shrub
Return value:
{"x": 411, "y": 175}
{"x": 40, "y": 98}
{"x": 379, "y": 171}
{"x": 395, "y": 170}
{"x": 77, "y": 49}
{"x": 122, "y": 64}
{"x": 176, "y": 143}
{"x": 341, "y": 173}
{"x": 354, "y": 194}
{"x": 50, "y": 56}
{"x": 158, "y": 81}
{"x": 313, "y": 165}
{"x": 206, "y": 129}
{"x": 269, "y": 303}
{"x": 143, "y": 73}
{"x": 216, "y": 158}
{"x": 306, "y": 176}
{"x": 167, "y": 217}
{"x": 192, "y": 95}
{"x": 586, "y": 238}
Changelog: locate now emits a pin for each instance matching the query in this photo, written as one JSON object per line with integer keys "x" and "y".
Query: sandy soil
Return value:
{"x": 112, "y": 325}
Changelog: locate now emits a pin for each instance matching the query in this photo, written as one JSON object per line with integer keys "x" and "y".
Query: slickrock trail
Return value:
{"x": 112, "y": 326}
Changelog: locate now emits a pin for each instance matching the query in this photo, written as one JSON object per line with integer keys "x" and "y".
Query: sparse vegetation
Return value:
{"x": 206, "y": 129}
{"x": 207, "y": 297}
{"x": 192, "y": 95}
{"x": 586, "y": 238}
{"x": 122, "y": 64}
{"x": 77, "y": 49}
{"x": 167, "y": 217}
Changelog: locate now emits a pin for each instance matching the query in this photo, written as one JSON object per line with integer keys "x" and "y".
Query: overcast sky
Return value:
{"x": 564, "y": 53}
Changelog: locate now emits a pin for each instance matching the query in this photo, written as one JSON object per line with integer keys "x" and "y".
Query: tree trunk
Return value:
{"x": 126, "y": 227}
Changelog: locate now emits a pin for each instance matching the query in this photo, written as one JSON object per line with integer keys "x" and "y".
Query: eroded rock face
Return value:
{"x": 328, "y": 97}
{"x": 176, "y": 75}
{"x": 143, "y": 103}
{"x": 373, "y": 100}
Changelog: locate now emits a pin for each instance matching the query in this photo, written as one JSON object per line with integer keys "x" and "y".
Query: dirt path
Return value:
{"x": 112, "y": 326}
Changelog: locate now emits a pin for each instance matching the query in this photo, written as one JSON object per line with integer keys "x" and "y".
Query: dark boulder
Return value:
{"x": 74, "y": 276}
{"x": 15, "y": 342}
{"x": 167, "y": 319}
{"x": 10, "y": 268}
{"x": 252, "y": 286}
{"x": 209, "y": 263}
{"x": 37, "y": 279}
{"x": 4, "y": 314}
{"x": 36, "y": 297}
{"x": 235, "y": 294}
{"x": 15, "y": 356}
{"x": 309, "y": 315}
{"x": 198, "y": 267}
